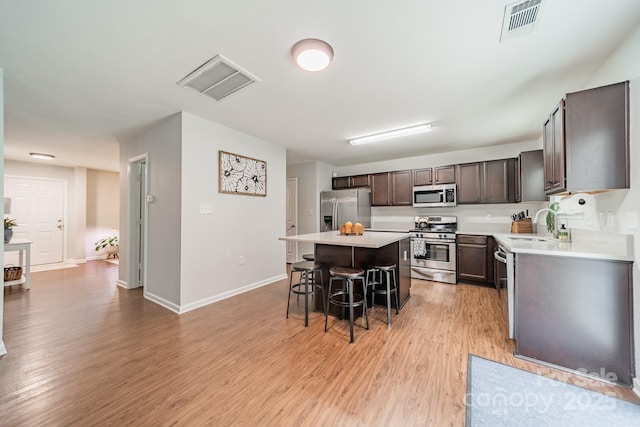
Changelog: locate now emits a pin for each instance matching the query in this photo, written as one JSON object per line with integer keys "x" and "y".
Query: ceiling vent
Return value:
{"x": 217, "y": 78}
{"x": 520, "y": 18}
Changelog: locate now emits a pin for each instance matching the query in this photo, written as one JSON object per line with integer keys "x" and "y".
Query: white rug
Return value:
{"x": 113, "y": 261}
{"x": 47, "y": 267}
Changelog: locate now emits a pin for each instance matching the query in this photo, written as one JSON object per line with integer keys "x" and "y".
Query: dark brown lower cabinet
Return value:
{"x": 474, "y": 258}
{"x": 577, "y": 314}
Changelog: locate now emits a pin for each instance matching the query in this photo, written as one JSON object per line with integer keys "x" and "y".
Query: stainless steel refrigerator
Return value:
{"x": 340, "y": 206}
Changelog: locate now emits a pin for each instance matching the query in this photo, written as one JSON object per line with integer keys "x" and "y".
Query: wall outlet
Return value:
{"x": 206, "y": 208}
{"x": 241, "y": 259}
{"x": 631, "y": 219}
{"x": 609, "y": 219}
{"x": 489, "y": 216}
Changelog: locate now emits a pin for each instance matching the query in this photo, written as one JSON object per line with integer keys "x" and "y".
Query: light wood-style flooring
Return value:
{"x": 84, "y": 352}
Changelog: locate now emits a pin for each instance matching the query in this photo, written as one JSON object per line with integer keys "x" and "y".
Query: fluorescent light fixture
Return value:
{"x": 397, "y": 133}
{"x": 42, "y": 156}
{"x": 312, "y": 54}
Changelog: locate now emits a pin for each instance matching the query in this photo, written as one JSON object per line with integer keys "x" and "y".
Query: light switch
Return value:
{"x": 206, "y": 209}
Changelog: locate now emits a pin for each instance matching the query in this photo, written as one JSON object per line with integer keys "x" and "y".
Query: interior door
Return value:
{"x": 38, "y": 206}
{"x": 292, "y": 218}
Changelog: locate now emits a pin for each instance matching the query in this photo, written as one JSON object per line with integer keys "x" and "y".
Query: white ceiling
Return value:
{"x": 81, "y": 75}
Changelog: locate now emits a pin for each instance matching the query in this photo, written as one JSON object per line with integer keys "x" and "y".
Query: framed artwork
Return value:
{"x": 241, "y": 175}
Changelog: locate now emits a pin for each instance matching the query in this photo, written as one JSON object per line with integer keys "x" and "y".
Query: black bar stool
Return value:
{"x": 348, "y": 276}
{"x": 379, "y": 279}
{"x": 306, "y": 285}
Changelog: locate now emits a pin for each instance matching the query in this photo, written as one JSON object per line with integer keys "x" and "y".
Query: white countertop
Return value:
{"x": 370, "y": 239}
{"x": 611, "y": 247}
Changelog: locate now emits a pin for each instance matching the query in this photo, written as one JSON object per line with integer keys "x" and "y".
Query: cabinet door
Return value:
{"x": 359, "y": 181}
{"x": 445, "y": 175}
{"x": 468, "y": 178}
{"x": 402, "y": 188}
{"x": 380, "y": 189}
{"x": 472, "y": 260}
{"x": 557, "y": 118}
{"x": 339, "y": 182}
{"x": 498, "y": 181}
{"x": 554, "y": 151}
{"x": 423, "y": 176}
{"x": 597, "y": 138}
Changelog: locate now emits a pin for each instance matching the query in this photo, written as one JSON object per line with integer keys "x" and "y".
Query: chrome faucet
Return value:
{"x": 555, "y": 222}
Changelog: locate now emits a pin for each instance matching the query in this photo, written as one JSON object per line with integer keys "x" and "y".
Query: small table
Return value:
{"x": 24, "y": 248}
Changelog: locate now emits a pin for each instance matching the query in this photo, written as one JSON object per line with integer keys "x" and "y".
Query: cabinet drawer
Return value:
{"x": 471, "y": 239}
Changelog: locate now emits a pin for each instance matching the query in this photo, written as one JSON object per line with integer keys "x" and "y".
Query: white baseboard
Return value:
{"x": 636, "y": 386}
{"x": 76, "y": 261}
{"x": 229, "y": 294}
{"x": 162, "y": 302}
{"x": 123, "y": 284}
{"x": 3, "y": 349}
{"x": 96, "y": 257}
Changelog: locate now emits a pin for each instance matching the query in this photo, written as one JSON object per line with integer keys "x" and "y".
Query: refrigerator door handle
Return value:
{"x": 335, "y": 215}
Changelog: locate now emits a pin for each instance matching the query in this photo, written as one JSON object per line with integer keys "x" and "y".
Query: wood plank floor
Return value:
{"x": 84, "y": 352}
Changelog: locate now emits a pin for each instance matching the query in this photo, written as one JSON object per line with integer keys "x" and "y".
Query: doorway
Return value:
{"x": 138, "y": 177}
{"x": 292, "y": 218}
{"x": 38, "y": 204}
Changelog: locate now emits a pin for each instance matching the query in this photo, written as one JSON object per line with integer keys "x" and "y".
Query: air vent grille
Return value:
{"x": 217, "y": 78}
{"x": 520, "y": 18}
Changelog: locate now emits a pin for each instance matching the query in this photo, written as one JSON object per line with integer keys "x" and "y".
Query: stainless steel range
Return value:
{"x": 433, "y": 248}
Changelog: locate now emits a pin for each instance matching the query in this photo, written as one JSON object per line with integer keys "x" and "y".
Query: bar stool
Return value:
{"x": 309, "y": 257}
{"x": 306, "y": 285}
{"x": 348, "y": 276}
{"x": 381, "y": 285}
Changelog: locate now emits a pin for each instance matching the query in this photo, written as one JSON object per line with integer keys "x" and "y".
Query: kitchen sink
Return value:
{"x": 533, "y": 238}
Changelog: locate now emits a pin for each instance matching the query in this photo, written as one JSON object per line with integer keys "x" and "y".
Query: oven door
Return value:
{"x": 434, "y": 253}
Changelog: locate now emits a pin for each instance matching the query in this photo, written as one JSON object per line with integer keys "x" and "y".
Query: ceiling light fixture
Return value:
{"x": 396, "y": 133}
{"x": 312, "y": 54}
{"x": 42, "y": 156}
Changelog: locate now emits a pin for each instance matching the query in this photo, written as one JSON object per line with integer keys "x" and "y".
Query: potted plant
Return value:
{"x": 110, "y": 244}
{"x": 8, "y": 229}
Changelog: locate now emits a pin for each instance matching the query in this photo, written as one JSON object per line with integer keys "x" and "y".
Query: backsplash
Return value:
{"x": 490, "y": 218}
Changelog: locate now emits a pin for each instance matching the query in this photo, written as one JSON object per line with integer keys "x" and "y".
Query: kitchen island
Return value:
{"x": 335, "y": 250}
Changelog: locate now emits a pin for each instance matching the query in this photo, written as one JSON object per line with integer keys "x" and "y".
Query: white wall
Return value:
{"x": 624, "y": 64}
{"x": 240, "y": 226}
{"x": 3, "y": 350}
{"x": 103, "y": 208}
{"x": 162, "y": 143}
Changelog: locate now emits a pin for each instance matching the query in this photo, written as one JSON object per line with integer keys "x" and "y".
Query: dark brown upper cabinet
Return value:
{"x": 423, "y": 176}
{"x": 444, "y": 174}
{"x": 529, "y": 177}
{"x": 340, "y": 182}
{"x": 586, "y": 141}
{"x": 402, "y": 188}
{"x": 380, "y": 189}
{"x": 486, "y": 182}
{"x": 468, "y": 176}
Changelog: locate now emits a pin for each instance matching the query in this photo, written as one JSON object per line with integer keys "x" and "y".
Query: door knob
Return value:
{"x": 59, "y": 226}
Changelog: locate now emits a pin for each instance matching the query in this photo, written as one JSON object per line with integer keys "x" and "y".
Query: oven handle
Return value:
{"x": 439, "y": 240}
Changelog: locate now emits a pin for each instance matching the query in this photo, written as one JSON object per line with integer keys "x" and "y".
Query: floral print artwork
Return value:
{"x": 242, "y": 175}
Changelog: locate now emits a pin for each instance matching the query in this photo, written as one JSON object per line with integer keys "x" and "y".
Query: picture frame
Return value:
{"x": 242, "y": 175}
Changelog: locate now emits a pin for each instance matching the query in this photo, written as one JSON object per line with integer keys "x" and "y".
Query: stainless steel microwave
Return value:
{"x": 429, "y": 196}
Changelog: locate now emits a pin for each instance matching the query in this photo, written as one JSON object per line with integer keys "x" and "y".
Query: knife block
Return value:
{"x": 524, "y": 226}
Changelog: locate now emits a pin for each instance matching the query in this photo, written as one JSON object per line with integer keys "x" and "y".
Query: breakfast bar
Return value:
{"x": 333, "y": 249}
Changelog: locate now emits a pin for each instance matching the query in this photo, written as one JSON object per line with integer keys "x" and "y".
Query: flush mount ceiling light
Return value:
{"x": 396, "y": 133}
{"x": 312, "y": 54}
{"x": 42, "y": 156}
